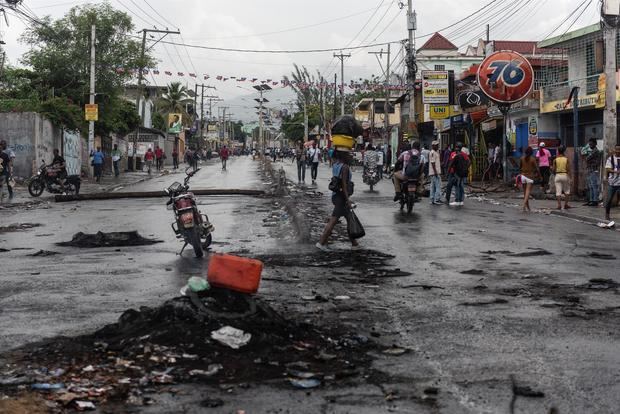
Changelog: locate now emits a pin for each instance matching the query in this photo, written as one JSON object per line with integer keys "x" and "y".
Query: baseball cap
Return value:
{"x": 542, "y": 145}
{"x": 435, "y": 143}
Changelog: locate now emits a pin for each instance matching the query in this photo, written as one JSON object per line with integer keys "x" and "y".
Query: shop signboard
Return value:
{"x": 439, "y": 111}
{"x": 473, "y": 101}
{"x": 91, "y": 112}
{"x": 506, "y": 77}
{"x": 435, "y": 87}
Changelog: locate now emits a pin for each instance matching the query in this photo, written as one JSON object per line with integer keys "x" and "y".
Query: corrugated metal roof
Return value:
{"x": 558, "y": 40}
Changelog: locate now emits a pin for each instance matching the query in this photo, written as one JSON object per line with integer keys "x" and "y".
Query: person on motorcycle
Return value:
{"x": 371, "y": 159}
{"x": 403, "y": 160}
{"x": 60, "y": 166}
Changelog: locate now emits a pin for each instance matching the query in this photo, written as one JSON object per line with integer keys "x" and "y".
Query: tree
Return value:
{"x": 59, "y": 56}
{"x": 175, "y": 100}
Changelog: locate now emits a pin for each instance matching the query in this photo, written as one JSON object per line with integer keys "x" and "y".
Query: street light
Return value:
{"x": 261, "y": 89}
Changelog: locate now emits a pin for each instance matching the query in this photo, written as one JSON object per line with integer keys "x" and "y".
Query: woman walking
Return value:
{"x": 340, "y": 198}
{"x": 561, "y": 169}
{"x": 528, "y": 172}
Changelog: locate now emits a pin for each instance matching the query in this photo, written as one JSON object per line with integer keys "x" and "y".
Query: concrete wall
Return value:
{"x": 31, "y": 137}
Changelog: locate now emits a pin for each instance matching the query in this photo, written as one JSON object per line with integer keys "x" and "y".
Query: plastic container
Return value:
{"x": 343, "y": 141}
{"x": 235, "y": 273}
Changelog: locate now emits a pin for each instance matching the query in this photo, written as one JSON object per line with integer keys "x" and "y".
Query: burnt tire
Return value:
{"x": 207, "y": 242}
{"x": 36, "y": 187}
{"x": 194, "y": 240}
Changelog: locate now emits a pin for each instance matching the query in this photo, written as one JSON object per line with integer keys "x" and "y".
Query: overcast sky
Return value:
{"x": 250, "y": 24}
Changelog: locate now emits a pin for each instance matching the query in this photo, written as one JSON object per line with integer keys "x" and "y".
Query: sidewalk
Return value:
{"x": 543, "y": 203}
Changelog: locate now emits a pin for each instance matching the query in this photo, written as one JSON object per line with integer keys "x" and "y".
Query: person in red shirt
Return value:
{"x": 159, "y": 156}
{"x": 175, "y": 158}
{"x": 148, "y": 158}
{"x": 224, "y": 153}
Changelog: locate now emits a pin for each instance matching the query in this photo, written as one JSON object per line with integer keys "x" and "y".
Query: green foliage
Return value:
{"x": 175, "y": 100}
{"x": 239, "y": 135}
{"x": 293, "y": 125}
{"x": 59, "y": 55}
{"x": 158, "y": 121}
{"x": 118, "y": 115}
{"x": 63, "y": 113}
{"x": 19, "y": 105}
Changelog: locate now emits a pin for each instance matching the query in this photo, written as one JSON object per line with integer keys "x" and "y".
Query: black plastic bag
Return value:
{"x": 347, "y": 125}
{"x": 354, "y": 226}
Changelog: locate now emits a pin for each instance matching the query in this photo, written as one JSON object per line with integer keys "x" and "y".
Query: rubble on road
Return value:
{"x": 18, "y": 227}
{"x": 112, "y": 239}
{"x": 176, "y": 343}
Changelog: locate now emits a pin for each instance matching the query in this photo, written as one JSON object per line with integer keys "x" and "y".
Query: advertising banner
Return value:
{"x": 435, "y": 87}
{"x": 175, "y": 125}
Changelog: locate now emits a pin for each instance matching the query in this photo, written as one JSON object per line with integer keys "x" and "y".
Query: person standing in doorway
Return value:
{"x": 175, "y": 158}
{"x": 148, "y": 159}
{"x": 315, "y": 158}
{"x": 561, "y": 169}
{"x": 98, "y": 160}
{"x": 612, "y": 166}
{"x": 594, "y": 160}
{"x": 300, "y": 157}
{"x": 116, "y": 159}
{"x": 544, "y": 166}
{"x": 434, "y": 172}
{"x": 340, "y": 199}
{"x": 8, "y": 156}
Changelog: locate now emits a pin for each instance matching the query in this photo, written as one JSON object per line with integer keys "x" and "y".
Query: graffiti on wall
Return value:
{"x": 71, "y": 152}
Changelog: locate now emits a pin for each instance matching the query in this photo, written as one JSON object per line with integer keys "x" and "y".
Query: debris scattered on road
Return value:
{"x": 395, "y": 351}
{"x": 232, "y": 337}
{"x": 304, "y": 383}
{"x": 602, "y": 256}
{"x": 423, "y": 286}
{"x": 18, "y": 227}
{"x": 84, "y": 405}
{"x": 342, "y": 297}
{"x": 198, "y": 284}
{"x": 209, "y": 372}
{"x": 472, "y": 272}
{"x": 212, "y": 403}
{"x": 496, "y": 301}
{"x": 601, "y": 284}
{"x": 113, "y": 239}
{"x": 43, "y": 253}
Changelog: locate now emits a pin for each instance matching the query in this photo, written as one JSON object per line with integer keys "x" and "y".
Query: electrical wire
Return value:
{"x": 172, "y": 25}
{"x": 565, "y": 20}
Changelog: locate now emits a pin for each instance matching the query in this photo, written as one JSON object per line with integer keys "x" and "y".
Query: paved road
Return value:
{"x": 511, "y": 298}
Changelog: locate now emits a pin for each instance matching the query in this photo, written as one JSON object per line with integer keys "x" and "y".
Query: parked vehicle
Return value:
{"x": 49, "y": 178}
{"x": 371, "y": 177}
{"x": 190, "y": 224}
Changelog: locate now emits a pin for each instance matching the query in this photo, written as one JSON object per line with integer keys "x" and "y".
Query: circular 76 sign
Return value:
{"x": 506, "y": 77}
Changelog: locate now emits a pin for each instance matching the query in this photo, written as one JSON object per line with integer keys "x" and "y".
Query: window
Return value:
{"x": 440, "y": 67}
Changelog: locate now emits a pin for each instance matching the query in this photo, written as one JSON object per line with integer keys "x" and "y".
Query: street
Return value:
{"x": 484, "y": 301}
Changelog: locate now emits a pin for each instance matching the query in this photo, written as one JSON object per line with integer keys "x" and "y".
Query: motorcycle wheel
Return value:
{"x": 36, "y": 187}
{"x": 207, "y": 242}
{"x": 410, "y": 202}
{"x": 372, "y": 186}
{"x": 194, "y": 240}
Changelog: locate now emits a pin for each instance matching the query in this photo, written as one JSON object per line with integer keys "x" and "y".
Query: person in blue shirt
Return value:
{"x": 98, "y": 158}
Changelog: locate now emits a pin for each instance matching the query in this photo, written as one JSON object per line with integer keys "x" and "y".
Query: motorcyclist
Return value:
{"x": 403, "y": 160}
{"x": 371, "y": 159}
{"x": 60, "y": 166}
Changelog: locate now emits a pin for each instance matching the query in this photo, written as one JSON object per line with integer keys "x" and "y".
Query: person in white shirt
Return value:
{"x": 315, "y": 158}
{"x": 380, "y": 161}
{"x": 612, "y": 166}
{"x": 434, "y": 173}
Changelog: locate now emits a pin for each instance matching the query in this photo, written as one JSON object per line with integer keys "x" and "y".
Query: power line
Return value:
{"x": 158, "y": 14}
{"x": 464, "y": 19}
{"x": 145, "y": 13}
{"x": 565, "y": 20}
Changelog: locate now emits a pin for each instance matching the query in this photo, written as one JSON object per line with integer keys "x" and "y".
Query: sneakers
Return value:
{"x": 396, "y": 197}
{"x": 322, "y": 247}
{"x": 457, "y": 204}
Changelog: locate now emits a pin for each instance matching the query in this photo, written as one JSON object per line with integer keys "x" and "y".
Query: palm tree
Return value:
{"x": 175, "y": 100}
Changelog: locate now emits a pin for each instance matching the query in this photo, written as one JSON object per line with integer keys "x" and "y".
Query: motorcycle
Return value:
{"x": 371, "y": 177}
{"x": 47, "y": 178}
{"x": 190, "y": 224}
{"x": 408, "y": 190}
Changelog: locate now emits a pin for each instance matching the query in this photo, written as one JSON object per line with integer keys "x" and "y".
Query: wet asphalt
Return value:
{"x": 508, "y": 297}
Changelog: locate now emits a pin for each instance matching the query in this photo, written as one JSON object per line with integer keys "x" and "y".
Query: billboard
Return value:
{"x": 435, "y": 87}
{"x": 175, "y": 123}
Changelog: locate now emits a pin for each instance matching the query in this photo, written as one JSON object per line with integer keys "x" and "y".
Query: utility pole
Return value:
{"x": 411, "y": 60}
{"x": 140, "y": 79}
{"x": 610, "y": 32}
{"x": 386, "y": 106}
{"x": 341, "y": 56}
{"x": 335, "y": 96}
{"x": 91, "y": 100}
{"x": 305, "y": 118}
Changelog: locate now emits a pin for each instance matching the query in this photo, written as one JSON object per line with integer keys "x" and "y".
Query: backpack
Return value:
{"x": 335, "y": 184}
{"x": 461, "y": 166}
{"x": 414, "y": 166}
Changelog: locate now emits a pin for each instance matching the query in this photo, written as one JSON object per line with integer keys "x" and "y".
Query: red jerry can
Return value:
{"x": 235, "y": 273}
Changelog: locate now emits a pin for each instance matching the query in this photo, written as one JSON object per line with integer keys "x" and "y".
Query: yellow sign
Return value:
{"x": 602, "y": 92}
{"x": 440, "y": 111}
{"x": 596, "y": 100}
{"x": 91, "y": 112}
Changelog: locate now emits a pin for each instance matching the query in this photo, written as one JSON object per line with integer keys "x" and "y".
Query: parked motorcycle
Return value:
{"x": 371, "y": 177}
{"x": 48, "y": 178}
{"x": 190, "y": 224}
{"x": 408, "y": 190}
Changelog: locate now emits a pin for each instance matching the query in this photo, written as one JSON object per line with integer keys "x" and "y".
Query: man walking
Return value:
{"x": 224, "y": 157}
{"x": 594, "y": 160}
{"x": 175, "y": 158}
{"x": 7, "y": 156}
{"x": 300, "y": 157}
{"x": 381, "y": 156}
{"x": 434, "y": 172}
{"x": 159, "y": 157}
{"x": 612, "y": 166}
{"x": 148, "y": 159}
{"x": 98, "y": 159}
{"x": 315, "y": 157}
{"x": 116, "y": 159}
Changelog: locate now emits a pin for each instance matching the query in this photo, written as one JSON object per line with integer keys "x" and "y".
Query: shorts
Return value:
{"x": 561, "y": 185}
{"x": 340, "y": 205}
{"x": 525, "y": 180}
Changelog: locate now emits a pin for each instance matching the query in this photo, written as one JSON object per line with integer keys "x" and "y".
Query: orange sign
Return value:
{"x": 91, "y": 112}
